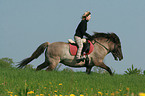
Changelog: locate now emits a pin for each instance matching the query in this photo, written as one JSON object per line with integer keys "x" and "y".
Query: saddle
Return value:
{"x": 87, "y": 47}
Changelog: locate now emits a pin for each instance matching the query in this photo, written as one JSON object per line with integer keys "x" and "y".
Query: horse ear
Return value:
{"x": 113, "y": 36}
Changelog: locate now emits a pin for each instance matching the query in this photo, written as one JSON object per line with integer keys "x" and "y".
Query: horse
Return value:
{"x": 58, "y": 52}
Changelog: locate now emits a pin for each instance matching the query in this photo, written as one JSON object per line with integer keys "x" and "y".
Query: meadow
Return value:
{"x": 28, "y": 82}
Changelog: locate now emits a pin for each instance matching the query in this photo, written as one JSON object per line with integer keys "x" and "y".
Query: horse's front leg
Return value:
{"x": 88, "y": 69}
{"x": 88, "y": 65}
{"x": 102, "y": 65}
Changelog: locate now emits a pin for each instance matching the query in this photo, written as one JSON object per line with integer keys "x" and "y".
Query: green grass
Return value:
{"x": 19, "y": 82}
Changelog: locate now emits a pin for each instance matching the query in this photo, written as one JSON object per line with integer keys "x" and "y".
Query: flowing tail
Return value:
{"x": 35, "y": 55}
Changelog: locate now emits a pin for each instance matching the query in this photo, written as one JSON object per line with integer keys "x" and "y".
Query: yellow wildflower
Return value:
{"x": 37, "y": 95}
{"x": 81, "y": 95}
{"x": 60, "y": 95}
{"x": 112, "y": 94}
{"x": 120, "y": 90}
{"x": 31, "y": 92}
{"x": 55, "y": 91}
{"x": 10, "y": 92}
{"x": 72, "y": 95}
{"x": 117, "y": 92}
{"x": 41, "y": 94}
{"x": 106, "y": 93}
{"x": 60, "y": 84}
{"x": 127, "y": 89}
{"x": 141, "y": 94}
{"x": 99, "y": 92}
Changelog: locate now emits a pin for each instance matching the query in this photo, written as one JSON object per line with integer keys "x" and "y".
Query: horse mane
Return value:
{"x": 111, "y": 36}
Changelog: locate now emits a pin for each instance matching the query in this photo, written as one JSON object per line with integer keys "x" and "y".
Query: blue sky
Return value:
{"x": 24, "y": 25}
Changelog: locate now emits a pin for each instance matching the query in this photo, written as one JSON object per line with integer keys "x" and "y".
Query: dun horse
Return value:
{"x": 58, "y": 52}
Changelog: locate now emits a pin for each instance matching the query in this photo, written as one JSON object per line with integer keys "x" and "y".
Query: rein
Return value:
{"x": 101, "y": 45}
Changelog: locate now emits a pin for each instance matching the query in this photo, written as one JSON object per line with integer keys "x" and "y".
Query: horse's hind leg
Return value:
{"x": 52, "y": 64}
{"x": 43, "y": 65}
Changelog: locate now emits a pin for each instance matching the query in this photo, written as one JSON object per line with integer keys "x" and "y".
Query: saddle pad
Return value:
{"x": 73, "y": 49}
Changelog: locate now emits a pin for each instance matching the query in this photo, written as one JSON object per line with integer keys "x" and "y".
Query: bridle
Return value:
{"x": 104, "y": 46}
{"x": 101, "y": 45}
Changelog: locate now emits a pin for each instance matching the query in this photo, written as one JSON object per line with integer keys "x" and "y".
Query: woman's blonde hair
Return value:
{"x": 86, "y": 14}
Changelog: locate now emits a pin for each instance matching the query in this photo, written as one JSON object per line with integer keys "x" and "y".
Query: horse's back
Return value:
{"x": 58, "y": 48}
{"x": 58, "y": 44}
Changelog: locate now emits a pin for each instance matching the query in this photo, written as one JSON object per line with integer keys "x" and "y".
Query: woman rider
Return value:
{"x": 80, "y": 32}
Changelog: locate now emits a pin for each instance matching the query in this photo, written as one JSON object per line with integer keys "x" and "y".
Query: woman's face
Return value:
{"x": 88, "y": 17}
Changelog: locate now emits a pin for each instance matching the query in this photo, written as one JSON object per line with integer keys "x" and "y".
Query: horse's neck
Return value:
{"x": 104, "y": 43}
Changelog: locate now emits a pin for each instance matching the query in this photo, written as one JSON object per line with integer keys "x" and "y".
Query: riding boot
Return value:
{"x": 87, "y": 61}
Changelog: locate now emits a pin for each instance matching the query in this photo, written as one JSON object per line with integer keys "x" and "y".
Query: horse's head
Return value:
{"x": 116, "y": 49}
{"x": 113, "y": 43}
